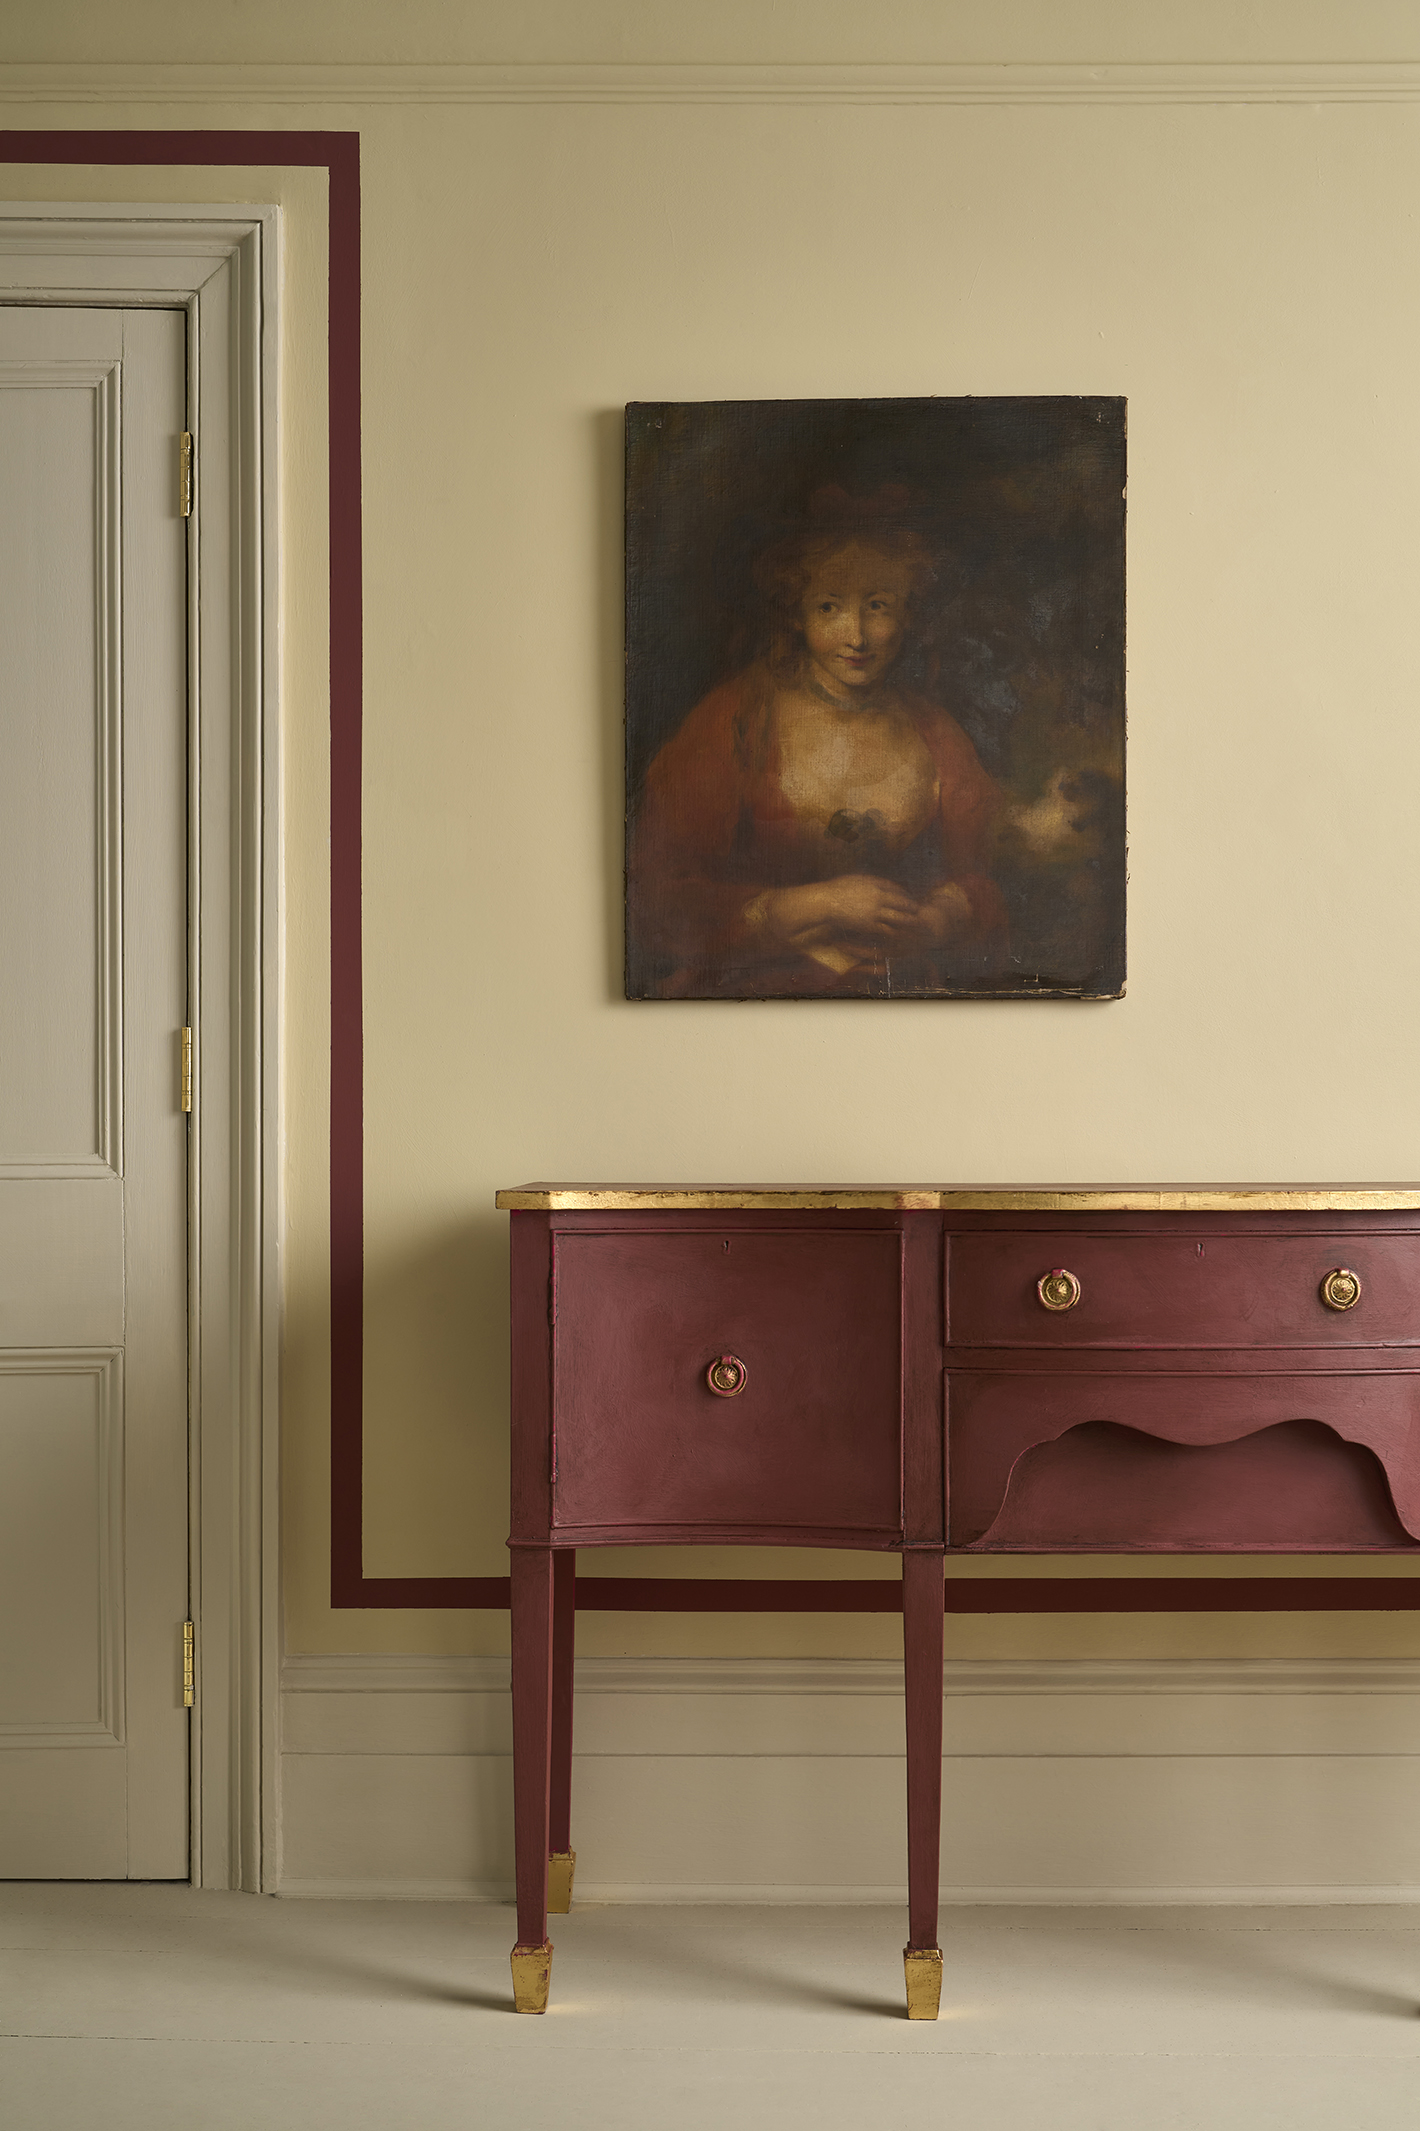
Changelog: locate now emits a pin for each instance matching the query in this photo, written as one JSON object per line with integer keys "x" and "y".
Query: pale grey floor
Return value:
{"x": 143, "y": 2008}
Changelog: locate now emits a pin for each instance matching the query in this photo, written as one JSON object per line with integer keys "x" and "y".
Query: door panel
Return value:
{"x": 60, "y": 613}
{"x": 61, "y": 1262}
{"x": 93, "y": 1144}
{"x": 61, "y": 1547}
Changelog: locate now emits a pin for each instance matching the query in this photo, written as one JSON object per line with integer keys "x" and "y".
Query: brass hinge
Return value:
{"x": 185, "y": 474}
{"x": 187, "y": 1675}
{"x": 185, "y": 1068}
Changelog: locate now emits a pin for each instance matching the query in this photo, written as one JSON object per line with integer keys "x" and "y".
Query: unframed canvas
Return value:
{"x": 875, "y": 699}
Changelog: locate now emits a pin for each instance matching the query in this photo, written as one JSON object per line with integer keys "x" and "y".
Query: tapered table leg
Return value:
{"x": 562, "y": 1858}
{"x": 922, "y": 1625}
{"x": 531, "y": 1593}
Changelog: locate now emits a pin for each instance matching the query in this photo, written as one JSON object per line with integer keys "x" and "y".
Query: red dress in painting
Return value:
{"x": 735, "y": 808}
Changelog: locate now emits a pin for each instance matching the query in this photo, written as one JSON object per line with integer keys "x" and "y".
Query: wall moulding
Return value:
{"x": 417, "y": 1674}
{"x": 1385, "y": 82}
{"x": 1068, "y": 1780}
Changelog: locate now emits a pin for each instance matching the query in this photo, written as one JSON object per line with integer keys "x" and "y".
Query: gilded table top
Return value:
{"x": 929, "y": 1198}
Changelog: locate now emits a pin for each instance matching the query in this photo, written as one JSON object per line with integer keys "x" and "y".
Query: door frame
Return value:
{"x": 221, "y": 266}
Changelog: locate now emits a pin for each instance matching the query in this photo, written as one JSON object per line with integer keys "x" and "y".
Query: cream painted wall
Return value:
{"x": 1246, "y": 274}
{"x": 792, "y": 32}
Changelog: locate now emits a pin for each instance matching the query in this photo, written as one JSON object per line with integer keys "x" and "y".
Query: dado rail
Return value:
{"x": 926, "y": 1372}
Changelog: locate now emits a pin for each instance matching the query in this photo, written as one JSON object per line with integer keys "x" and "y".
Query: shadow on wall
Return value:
{"x": 608, "y": 441}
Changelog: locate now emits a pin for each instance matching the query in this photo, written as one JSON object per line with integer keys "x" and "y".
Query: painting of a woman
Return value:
{"x": 819, "y": 824}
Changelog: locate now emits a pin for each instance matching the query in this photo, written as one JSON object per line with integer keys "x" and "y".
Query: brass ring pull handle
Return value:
{"x": 1341, "y": 1289}
{"x": 1058, "y": 1290}
{"x": 727, "y": 1376}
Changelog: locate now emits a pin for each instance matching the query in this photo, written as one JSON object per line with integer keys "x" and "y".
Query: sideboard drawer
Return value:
{"x": 1184, "y": 1290}
{"x": 813, "y": 1437}
{"x": 1199, "y": 1454}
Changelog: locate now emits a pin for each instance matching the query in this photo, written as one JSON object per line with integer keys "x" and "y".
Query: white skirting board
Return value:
{"x": 763, "y": 1781}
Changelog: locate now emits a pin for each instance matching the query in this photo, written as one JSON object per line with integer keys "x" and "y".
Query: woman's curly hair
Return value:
{"x": 886, "y": 521}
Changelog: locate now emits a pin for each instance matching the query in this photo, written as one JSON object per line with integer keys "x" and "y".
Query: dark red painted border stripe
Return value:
{"x": 1184, "y": 1594}
{"x": 994, "y": 1594}
{"x": 339, "y": 155}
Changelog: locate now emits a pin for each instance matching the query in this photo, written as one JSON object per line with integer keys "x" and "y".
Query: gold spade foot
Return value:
{"x": 532, "y": 1973}
{"x": 923, "y": 1967}
{"x": 561, "y": 1871}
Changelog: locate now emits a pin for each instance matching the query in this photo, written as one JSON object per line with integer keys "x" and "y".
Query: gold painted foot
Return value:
{"x": 561, "y": 1871}
{"x": 923, "y": 1966}
{"x": 532, "y": 1973}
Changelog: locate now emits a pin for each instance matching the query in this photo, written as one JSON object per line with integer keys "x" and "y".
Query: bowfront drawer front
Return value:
{"x": 1184, "y": 1289}
{"x": 725, "y": 1378}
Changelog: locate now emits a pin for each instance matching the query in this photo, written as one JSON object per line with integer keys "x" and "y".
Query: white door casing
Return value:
{"x": 93, "y": 1155}
{"x": 218, "y": 266}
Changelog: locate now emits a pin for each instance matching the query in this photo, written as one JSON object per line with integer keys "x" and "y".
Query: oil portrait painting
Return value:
{"x": 875, "y": 699}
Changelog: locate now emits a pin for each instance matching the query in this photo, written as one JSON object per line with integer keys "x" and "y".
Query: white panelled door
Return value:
{"x": 93, "y": 1143}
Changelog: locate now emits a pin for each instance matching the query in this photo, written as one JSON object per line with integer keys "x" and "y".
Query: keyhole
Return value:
{"x": 724, "y": 1246}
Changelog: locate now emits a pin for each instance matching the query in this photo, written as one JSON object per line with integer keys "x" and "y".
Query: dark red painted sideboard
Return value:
{"x": 926, "y": 1372}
